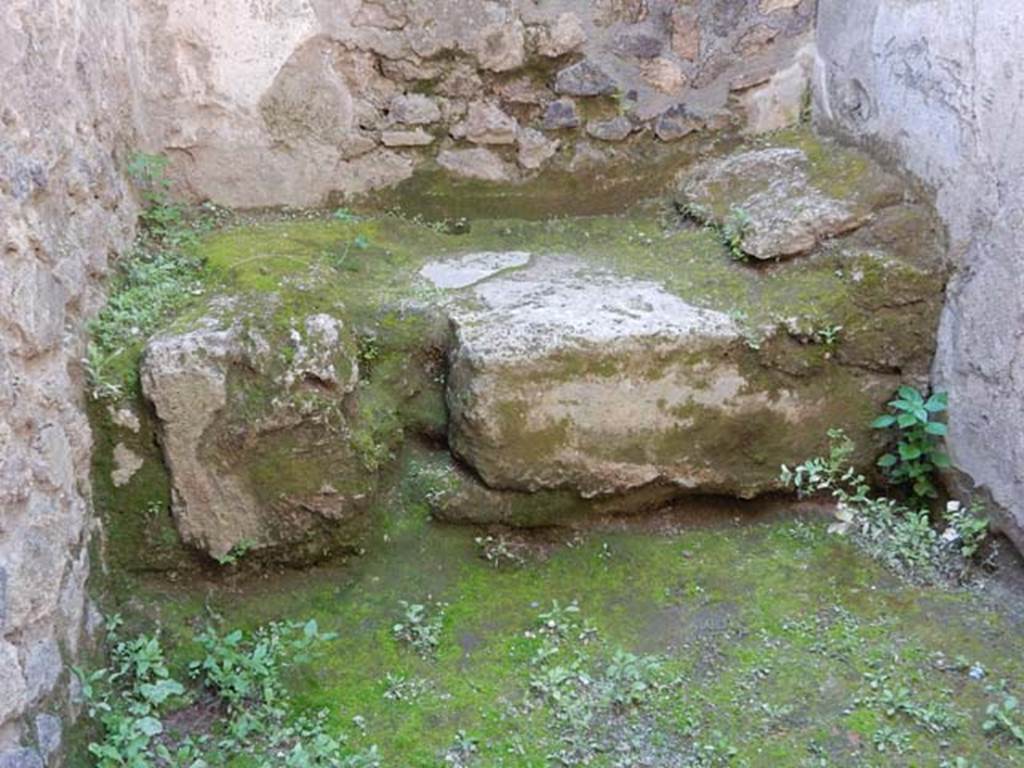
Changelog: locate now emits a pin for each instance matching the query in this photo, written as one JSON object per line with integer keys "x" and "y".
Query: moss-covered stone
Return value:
{"x": 851, "y": 320}
{"x": 783, "y": 196}
{"x": 138, "y": 529}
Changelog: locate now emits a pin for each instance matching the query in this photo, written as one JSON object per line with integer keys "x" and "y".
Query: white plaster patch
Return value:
{"x": 126, "y": 464}
{"x": 472, "y": 268}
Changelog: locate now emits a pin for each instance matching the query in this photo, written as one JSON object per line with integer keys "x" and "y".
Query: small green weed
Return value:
{"x": 1005, "y": 717}
{"x": 158, "y": 276}
{"x": 828, "y": 335}
{"x": 500, "y": 551}
{"x": 401, "y": 688}
{"x": 244, "y": 671}
{"x": 130, "y": 701}
{"x": 967, "y": 528}
{"x": 236, "y": 553}
{"x": 731, "y": 230}
{"x": 127, "y": 700}
{"x": 734, "y": 228}
{"x": 345, "y": 216}
{"x": 900, "y": 536}
{"x": 420, "y": 627}
{"x": 917, "y": 454}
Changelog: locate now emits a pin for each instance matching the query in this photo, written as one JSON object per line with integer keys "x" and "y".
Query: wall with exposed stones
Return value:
{"x": 267, "y": 102}
{"x": 64, "y": 213}
{"x": 939, "y": 88}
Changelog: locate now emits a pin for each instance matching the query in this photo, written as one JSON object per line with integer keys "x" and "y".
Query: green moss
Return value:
{"x": 366, "y": 272}
{"x": 293, "y": 260}
{"x": 633, "y": 174}
{"x": 838, "y": 171}
{"x": 139, "y": 532}
{"x": 770, "y": 627}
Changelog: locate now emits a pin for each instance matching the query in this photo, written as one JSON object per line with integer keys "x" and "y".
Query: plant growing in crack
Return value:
{"x": 734, "y": 228}
{"x": 236, "y": 553}
{"x": 899, "y": 535}
{"x": 731, "y": 230}
{"x": 828, "y": 336}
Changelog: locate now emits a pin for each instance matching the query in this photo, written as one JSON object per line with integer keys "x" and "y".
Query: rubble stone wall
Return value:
{"x": 65, "y": 114}
{"x": 269, "y": 102}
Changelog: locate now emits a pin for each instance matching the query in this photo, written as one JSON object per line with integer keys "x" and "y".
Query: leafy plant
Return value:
{"x": 733, "y": 229}
{"x": 499, "y": 551}
{"x": 889, "y": 739}
{"x": 559, "y": 621}
{"x": 630, "y": 679}
{"x": 967, "y": 528}
{"x": 162, "y": 218}
{"x": 236, "y": 553}
{"x": 420, "y": 627}
{"x": 462, "y": 750}
{"x": 127, "y": 699}
{"x": 158, "y": 276}
{"x": 918, "y": 453}
{"x": 244, "y": 671}
{"x": 100, "y": 367}
{"x": 1006, "y": 717}
{"x": 828, "y": 335}
{"x": 400, "y": 688}
{"x": 130, "y": 698}
{"x": 894, "y": 697}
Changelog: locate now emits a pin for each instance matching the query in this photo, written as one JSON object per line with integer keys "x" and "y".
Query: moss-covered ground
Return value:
{"x": 778, "y": 644}
{"x": 366, "y": 262}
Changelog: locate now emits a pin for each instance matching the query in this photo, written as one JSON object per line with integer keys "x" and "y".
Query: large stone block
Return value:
{"x": 568, "y": 378}
{"x": 253, "y": 431}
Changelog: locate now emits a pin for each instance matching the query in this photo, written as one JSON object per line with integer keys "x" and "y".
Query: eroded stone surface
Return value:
{"x": 66, "y": 213}
{"x": 414, "y": 109}
{"x": 564, "y": 35}
{"x": 782, "y": 207}
{"x": 616, "y": 129}
{"x": 561, "y": 114}
{"x": 417, "y": 138}
{"x": 126, "y": 464}
{"x": 488, "y": 124}
{"x": 535, "y": 148}
{"x": 225, "y": 90}
{"x": 676, "y": 123}
{"x": 566, "y": 378}
{"x": 584, "y": 78}
{"x": 238, "y": 416}
{"x": 478, "y": 163}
